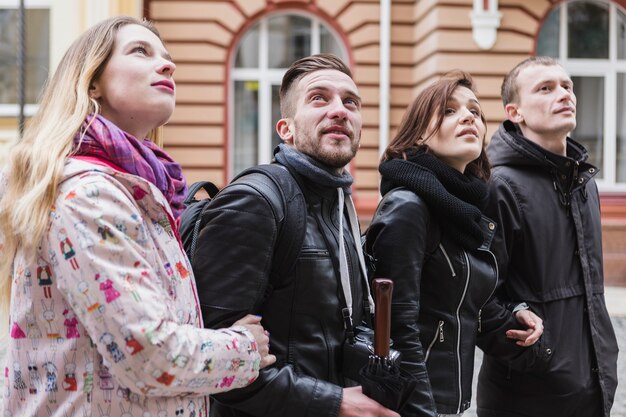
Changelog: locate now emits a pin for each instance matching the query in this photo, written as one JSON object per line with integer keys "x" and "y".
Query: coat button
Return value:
{"x": 548, "y": 351}
{"x": 491, "y": 225}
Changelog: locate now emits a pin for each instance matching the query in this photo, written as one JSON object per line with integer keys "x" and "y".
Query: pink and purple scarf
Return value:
{"x": 105, "y": 141}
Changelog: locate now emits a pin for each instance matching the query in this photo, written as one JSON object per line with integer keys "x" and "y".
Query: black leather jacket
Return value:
{"x": 302, "y": 312}
{"x": 549, "y": 249}
{"x": 442, "y": 297}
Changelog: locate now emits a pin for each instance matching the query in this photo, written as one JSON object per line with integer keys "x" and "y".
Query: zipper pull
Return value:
{"x": 480, "y": 324}
{"x": 440, "y": 330}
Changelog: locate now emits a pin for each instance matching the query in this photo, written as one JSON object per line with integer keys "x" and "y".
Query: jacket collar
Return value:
{"x": 570, "y": 172}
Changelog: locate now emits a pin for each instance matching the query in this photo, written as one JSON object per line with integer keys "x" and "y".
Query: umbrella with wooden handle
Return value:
{"x": 383, "y": 289}
{"x": 382, "y": 378}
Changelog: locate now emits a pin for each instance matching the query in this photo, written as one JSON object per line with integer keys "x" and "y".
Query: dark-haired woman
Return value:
{"x": 430, "y": 237}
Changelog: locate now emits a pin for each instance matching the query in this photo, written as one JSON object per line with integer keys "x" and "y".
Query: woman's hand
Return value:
{"x": 534, "y": 328}
{"x": 261, "y": 336}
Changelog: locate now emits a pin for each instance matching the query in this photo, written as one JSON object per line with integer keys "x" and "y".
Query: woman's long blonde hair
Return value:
{"x": 35, "y": 164}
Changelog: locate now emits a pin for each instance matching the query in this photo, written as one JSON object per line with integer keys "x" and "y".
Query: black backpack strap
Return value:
{"x": 210, "y": 188}
{"x": 293, "y": 228}
{"x": 191, "y": 218}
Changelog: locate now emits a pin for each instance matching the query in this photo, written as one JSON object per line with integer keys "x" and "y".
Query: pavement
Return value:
{"x": 616, "y": 301}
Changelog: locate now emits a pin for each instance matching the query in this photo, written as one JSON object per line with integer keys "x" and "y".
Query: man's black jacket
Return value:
{"x": 302, "y": 311}
{"x": 549, "y": 250}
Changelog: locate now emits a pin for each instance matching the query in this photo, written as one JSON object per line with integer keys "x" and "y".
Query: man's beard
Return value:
{"x": 333, "y": 157}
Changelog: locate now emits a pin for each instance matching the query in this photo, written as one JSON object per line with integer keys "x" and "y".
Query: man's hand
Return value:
{"x": 357, "y": 404}
{"x": 253, "y": 324}
{"x": 534, "y": 328}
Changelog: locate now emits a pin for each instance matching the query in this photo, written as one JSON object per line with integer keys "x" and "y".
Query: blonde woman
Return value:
{"x": 89, "y": 207}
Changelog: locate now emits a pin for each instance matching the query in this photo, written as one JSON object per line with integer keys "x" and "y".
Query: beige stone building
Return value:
{"x": 231, "y": 55}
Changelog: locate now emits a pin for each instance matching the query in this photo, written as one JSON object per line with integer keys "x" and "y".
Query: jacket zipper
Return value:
{"x": 313, "y": 252}
{"x": 438, "y": 333}
{"x": 445, "y": 254}
{"x": 495, "y": 263}
{"x": 458, "y": 339}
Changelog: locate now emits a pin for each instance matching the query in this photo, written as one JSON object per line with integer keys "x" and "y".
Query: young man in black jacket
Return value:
{"x": 549, "y": 250}
{"x": 235, "y": 252}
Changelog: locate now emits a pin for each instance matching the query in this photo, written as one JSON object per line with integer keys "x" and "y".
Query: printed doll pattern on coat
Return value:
{"x": 107, "y": 257}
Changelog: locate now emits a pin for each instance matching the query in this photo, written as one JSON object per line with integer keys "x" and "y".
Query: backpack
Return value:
{"x": 273, "y": 177}
{"x": 190, "y": 218}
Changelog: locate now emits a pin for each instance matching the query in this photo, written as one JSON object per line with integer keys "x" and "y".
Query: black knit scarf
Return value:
{"x": 312, "y": 169}
{"x": 456, "y": 198}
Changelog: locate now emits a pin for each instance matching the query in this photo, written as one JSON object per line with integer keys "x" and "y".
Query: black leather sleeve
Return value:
{"x": 282, "y": 392}
{"x": 232, "y": 263}
{"x": 495, "y": 320}
{"x": 397, "y": 239}
{"x": 503, "y": 208}
{"x": 496, "y": 317}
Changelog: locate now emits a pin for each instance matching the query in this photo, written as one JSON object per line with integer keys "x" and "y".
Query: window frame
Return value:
{"x": 267, "y": 78}
{"x": 12, "y": 110}
{"x": 608, "y": 70}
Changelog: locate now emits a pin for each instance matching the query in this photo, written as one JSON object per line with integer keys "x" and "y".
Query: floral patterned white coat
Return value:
{"x": 104, "y": 316}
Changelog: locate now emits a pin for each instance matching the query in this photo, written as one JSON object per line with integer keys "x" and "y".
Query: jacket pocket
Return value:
{"x": 313, "y": 253}
{"x": 536, "y": 359}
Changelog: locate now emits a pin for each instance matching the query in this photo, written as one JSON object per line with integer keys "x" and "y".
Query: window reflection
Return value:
{"x": 621, "y": 128}
{"x": 621, "y": 35}
{"x": 275, "y": 114}
{"x": 248, "y": 51}
{"x": 289, "y": 40}
{"x": 588, "y": 30}
{"x": 590, "y": 118}
{"x": 548, "y": 40}
{"x": 37, "y": 53}
{"x": 246, "y": 126}
{"x": 328, "y": 43}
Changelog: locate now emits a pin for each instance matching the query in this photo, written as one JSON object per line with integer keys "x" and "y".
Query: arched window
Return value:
{"x": 589, "y": 39}
{"x": 264, "y": 53}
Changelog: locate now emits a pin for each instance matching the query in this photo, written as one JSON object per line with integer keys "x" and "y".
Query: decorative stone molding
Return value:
{"x": 485, "y": 22}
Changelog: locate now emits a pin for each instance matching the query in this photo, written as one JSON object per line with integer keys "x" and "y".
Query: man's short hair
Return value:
{"x": 509, "y": 90}
{"x": 302, "y": 67}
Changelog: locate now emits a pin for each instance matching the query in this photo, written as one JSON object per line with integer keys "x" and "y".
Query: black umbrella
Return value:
{"x": 382, "y": 379}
